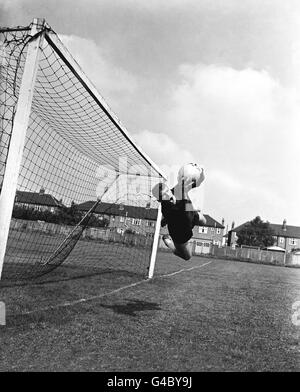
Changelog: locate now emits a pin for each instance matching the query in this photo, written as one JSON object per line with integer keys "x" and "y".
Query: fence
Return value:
{"x": 246, "y": 254}
{"x": 90, "y": 233}
{"x": 257, "y": 256}
{"x": 102, "y": 234}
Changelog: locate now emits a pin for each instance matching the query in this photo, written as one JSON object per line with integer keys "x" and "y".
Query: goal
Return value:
{"x": 74, "y": 187}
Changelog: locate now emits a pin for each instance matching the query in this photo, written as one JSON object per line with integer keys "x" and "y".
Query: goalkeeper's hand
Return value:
{"x": 202, "y": 177}
{"x": 162, "y": 192}
{"x": 202, "y": 219}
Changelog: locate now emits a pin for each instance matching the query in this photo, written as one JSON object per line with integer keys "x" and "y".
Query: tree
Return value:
{"x": 69, "y": 215}
{"x": 64, "y": 216}
{"x": 256, "y": 233}
{"x": 95, "y": 221}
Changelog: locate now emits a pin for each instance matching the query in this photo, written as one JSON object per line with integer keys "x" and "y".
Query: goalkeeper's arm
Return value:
{"x": 197, "y": 199}
{"x": 162, "y": 192}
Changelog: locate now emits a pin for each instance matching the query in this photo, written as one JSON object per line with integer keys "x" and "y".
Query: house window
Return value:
{"x": 281, "y": 240}
{"x": 212, "y": 229}
{"x": 150, "y": 223}
{"x": 293, "y": 241}
{"x": 122, "y": 219}
{"x": 202, "y": 229}
{"x": 120, "y": 231}
{"x": 136, "y": 222}
{"x": 218, "y": 231}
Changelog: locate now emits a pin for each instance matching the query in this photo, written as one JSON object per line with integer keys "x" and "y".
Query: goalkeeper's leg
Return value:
{"x": 184, "y": 251}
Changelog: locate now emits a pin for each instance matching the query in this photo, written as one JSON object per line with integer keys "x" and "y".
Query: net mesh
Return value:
{"x": 84, "y": 189}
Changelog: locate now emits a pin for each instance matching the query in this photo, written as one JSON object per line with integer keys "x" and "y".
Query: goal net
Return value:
{"x": 82, "y": 195}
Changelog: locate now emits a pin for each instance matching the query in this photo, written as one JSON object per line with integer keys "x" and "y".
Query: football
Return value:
{"x": 190, "y": 172}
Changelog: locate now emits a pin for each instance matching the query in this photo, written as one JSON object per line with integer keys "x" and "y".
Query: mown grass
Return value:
{"x": 224, "y": 316}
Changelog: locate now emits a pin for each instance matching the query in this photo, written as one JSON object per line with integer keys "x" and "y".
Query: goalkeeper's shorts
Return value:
{"x": 180, "y": 221}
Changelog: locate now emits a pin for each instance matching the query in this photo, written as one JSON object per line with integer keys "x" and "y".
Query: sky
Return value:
{"x": 215, "y": 82}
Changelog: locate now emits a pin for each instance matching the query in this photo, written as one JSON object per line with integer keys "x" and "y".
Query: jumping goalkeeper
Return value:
{"x": 181, "y": 209}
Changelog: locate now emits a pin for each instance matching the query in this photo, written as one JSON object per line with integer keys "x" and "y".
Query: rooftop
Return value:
{"x": 134, "y": 212}
{"x": 120, "y": 210}
{"x": 37, "y": 198}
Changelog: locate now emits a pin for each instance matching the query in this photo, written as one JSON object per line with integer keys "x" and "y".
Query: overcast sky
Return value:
{"x": 215, "y": 82}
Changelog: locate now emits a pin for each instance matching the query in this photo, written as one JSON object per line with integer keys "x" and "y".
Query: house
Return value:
{"x": 286, "y": 236}
{"x": 39, "y": 201}
{"x": 122, "y": 217}
{"x": 142, "y": 220}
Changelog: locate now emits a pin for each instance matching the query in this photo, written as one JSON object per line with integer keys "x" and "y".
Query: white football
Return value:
{"x": 190, "y": 172}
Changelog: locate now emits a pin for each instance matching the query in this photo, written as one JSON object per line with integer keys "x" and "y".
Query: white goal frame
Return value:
{"x": 18, "y": 134}
{"x": 21, "y": 121}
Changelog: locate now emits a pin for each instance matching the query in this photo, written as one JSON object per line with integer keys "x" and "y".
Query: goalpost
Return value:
{"x": 74, "y": 187}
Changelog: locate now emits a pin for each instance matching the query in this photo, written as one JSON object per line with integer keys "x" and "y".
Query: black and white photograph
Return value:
{"x": 149, "y": 189}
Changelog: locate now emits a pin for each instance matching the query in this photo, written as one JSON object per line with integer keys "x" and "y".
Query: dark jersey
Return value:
{"x": 181, "y": 219}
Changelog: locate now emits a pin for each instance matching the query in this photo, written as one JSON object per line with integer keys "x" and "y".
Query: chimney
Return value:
{"x": 284, "y": 225}
{"x": 223, "y": 221}
{"x": 232, "y": 225}
{"x": 42, "y": 191}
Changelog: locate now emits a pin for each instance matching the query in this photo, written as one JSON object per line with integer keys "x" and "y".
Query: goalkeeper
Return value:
{"x": 181, "y": 209}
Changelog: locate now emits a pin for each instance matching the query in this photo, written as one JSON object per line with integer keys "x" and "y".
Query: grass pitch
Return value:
{"x": 202, "y": 315}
